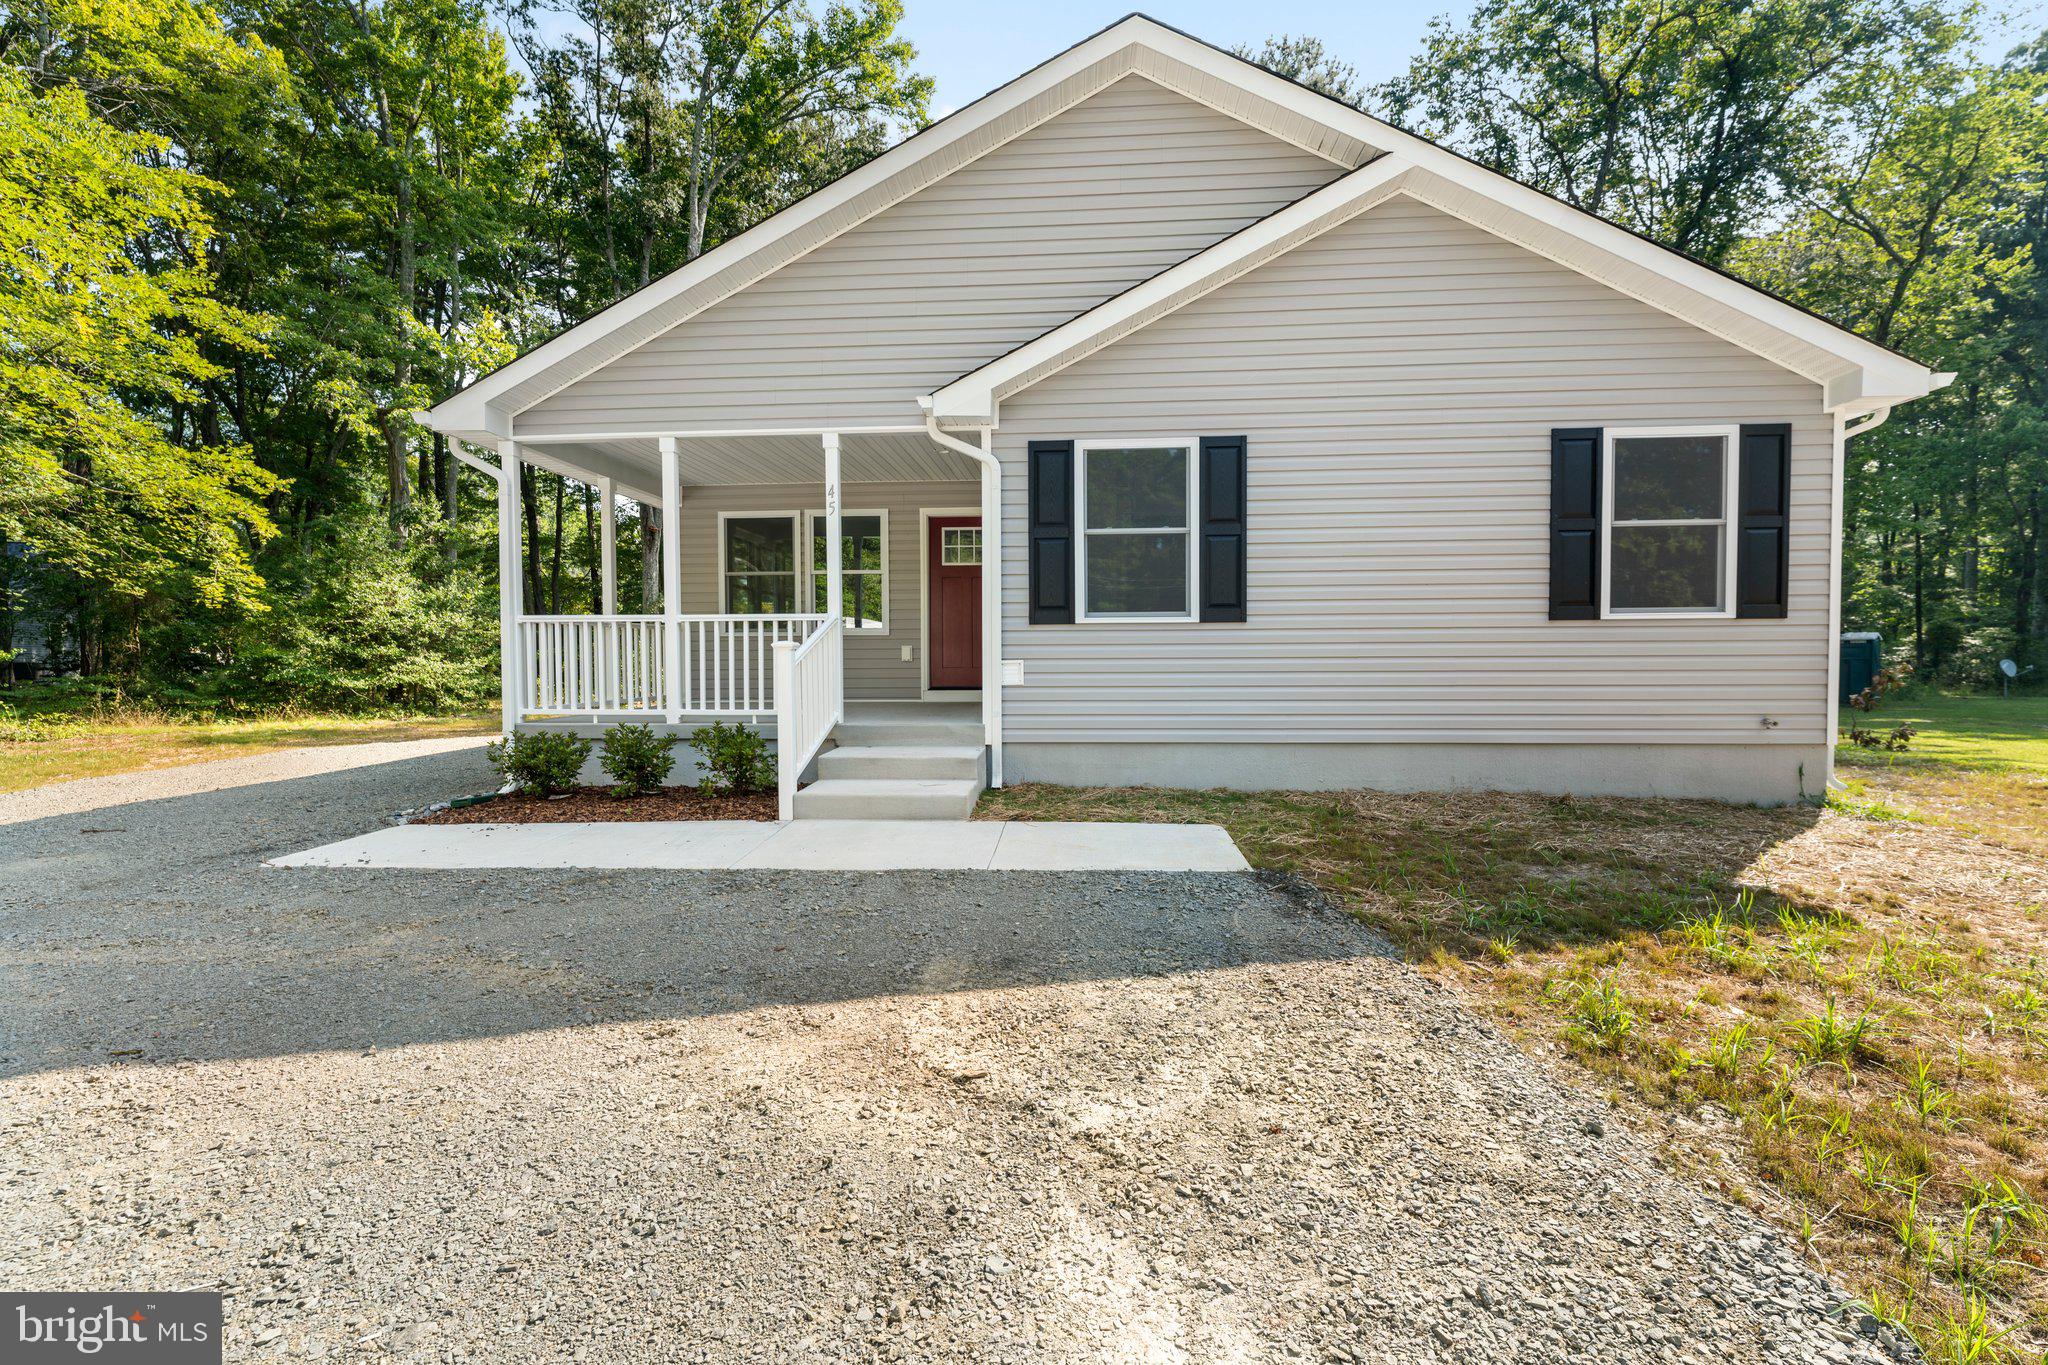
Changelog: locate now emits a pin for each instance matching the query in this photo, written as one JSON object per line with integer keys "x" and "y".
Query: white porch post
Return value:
{"x": 608, "y": 548}
{"x": 511, "y": 668}
{"x": 672, "y": 574}
{"x": 834, "y": 587}
{"x": 992, "y": 606}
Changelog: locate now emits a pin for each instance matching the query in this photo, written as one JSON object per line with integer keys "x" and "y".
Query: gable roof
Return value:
{"x": 1135, "y": 45}
{"x": 1858, "y": 375}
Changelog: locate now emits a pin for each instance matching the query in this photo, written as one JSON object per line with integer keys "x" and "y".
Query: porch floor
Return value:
{"x": 895, "y": 712}
{"x": 814, "y": 845}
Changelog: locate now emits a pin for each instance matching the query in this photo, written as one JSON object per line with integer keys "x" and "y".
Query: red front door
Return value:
{"x": 953, "y": 635}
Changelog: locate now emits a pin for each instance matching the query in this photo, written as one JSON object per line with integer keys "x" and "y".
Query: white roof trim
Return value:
{"x": 1856, "y": 375}
{"x": 1132, "y": 46}
{"x": 1861, "y": 376}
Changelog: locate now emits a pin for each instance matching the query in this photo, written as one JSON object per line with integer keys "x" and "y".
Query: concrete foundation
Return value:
{"x": 1755, "y": 774}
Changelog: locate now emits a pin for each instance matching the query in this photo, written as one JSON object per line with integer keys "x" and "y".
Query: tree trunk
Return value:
{"x": 555, "y": 567}
{"x": 594, "y": 548}
{"x": 529, "y": 498}
{"x": 650, "y": 556}
{"x": 445, "y": 475}
{"x": 401, "y": 369}
{"x": 1919, "y": 597}
{"x": 395, "y": 471}
{"x": 2029, "y": 578}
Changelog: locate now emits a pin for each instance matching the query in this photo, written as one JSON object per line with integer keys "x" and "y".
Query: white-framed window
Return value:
{"x": 1668, "y": 496}
{"x": 757, "y": 555}
{"x": 1135, "y": 554}
{"x": 863, "y": 567}
{"x": 765, "y": 565}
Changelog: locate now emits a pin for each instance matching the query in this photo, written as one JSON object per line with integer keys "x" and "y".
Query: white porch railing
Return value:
{"x": 621, "y": 665}
{"x": 728, "y": 662}
{"x": 574, "y": 665}
{"x": 810, "y": 698}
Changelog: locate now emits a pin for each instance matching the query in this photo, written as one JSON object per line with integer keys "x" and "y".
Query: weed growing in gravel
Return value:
{"x": 1832, "y": 1037}
{"x": 1926, "y": 1100}
{"x": 1726, "y": 1055}
{"x": 1970, "y": 1339}
{"x": 1599, "y": 1016}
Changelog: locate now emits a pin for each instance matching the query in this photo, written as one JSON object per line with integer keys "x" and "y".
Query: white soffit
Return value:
{"x": 634, "y": 463}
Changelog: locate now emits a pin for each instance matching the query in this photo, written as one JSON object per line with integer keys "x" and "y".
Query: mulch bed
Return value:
{"x": 598, "y": 804}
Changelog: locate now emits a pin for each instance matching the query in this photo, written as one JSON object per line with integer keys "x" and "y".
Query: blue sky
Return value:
{"x": 972, "y": 46}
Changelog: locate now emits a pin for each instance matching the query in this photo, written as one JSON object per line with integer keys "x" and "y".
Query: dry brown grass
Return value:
{"x": 1840, "y": 1016}
{"x": 35, "y": 756}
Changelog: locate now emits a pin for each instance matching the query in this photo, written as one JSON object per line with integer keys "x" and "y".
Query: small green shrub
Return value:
{"x": 540, "y": 763}
{"x": 736, "y": 760}
{"x": 636, "y": 759}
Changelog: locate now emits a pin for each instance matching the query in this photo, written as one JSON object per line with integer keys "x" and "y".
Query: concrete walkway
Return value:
{"x": 827, "y": 845}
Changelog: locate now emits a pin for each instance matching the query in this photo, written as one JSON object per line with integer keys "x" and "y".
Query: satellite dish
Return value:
{"x": 2009, "y": 668}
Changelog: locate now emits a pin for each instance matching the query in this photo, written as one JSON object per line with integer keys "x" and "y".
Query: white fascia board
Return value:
{"x": 470, "y": 408}
{"x": 1859, "y": 372}
{"x": 972, "y": 398}
{"x": 1855, "y": 378}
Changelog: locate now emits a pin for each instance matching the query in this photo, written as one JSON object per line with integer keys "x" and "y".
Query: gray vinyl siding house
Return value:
{"x": 1397, "y": 380}
{"x": 1299, "y": 453}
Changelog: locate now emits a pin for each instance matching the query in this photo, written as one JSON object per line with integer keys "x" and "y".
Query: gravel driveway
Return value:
{"x": 635, "y": 1116}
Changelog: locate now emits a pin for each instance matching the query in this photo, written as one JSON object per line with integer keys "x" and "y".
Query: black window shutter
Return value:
{"x": 1575, "y": 524}
{"x": 1051, "y": 473}
{"x": 1223, "y": 547}
{"x": 1763, "y": 520}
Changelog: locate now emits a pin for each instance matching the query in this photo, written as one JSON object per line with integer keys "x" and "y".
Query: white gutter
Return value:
{"x": 991, "y": 581}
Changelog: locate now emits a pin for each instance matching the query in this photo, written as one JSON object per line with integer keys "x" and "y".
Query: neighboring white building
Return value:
{"x": 1311, "y": 454}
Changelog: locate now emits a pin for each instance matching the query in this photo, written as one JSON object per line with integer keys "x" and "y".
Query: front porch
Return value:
{"x": 759, "y": 534}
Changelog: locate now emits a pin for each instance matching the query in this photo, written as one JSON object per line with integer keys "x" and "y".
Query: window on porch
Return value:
{"x": 863, "y": 565}
{"x": 760, "y": 565}
{"x": 764, "y": 563}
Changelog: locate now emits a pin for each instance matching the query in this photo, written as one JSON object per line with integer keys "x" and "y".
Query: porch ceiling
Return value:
{"x": 864, "y": 457}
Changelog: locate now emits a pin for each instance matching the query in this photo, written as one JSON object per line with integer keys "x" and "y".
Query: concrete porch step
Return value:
{"x": 845, "y": 798}
{"x": 928, "y": 761}
{"x": 857, "y": 733}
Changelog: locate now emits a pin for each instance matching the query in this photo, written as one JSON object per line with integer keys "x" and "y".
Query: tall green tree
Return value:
{"x": 1676, "y": 118}
{"x": 404, "y": 121}
{"x": 106, "y": 305}
{"x": 1922, "y": 231}
{"x": 1304, "y": 59}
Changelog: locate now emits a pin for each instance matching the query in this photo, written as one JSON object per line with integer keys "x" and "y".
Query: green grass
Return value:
{"x": 59, "y": 749}
{"x": 1957, "y": 730}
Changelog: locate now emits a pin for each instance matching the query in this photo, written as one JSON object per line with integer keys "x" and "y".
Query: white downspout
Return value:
{"x": 991, "y": 582}
{"x": 1836, "y": 554}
